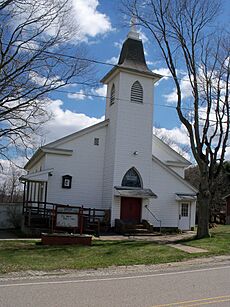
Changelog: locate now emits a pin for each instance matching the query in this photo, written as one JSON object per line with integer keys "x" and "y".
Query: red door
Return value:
{"x": 131, "y": 209}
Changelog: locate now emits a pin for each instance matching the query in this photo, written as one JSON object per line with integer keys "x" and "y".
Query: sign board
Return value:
{"x": 67, "y": 217}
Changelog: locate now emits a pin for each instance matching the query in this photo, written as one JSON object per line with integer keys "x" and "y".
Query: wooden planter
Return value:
{"x": 65, "y": 239}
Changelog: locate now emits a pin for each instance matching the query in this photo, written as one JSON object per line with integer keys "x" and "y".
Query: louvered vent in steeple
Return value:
{"x": 137, "y": 92}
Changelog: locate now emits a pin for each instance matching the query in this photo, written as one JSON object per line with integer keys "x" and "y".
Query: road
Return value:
{"x": 182, "y": 286}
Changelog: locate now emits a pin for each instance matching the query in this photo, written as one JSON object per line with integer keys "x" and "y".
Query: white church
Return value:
{"x": 118, "y": 164}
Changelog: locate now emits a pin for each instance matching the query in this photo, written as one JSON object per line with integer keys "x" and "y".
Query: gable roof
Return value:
{"x": 52, "y": 147}
{"x": 77, "y": 134}
{"x": 172, "y": 172}
{"x": 42, "y": 151}
{"x": 179, "y": 158}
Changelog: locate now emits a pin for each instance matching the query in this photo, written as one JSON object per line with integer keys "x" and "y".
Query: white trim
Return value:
{"x": 180, "y": 159}
{"x": 77, "y": 134}
{"x": 117, "y": 69}
{"x": 46, "y": 150}
{"x": 41, "y": 176}
{"x": 49, "y": 148}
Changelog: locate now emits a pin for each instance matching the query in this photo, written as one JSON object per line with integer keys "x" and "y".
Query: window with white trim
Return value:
{"x": 131, "y": 179}
{"x": 184, "y": 209}
{"x": 137, "y": 92}
{"x": 96, "y": 141}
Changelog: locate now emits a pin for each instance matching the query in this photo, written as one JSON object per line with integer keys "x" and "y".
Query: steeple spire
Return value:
{"x": 133, "y": 29}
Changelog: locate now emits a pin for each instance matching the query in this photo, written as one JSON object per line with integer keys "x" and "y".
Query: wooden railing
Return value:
{"x": 45, "y": 213}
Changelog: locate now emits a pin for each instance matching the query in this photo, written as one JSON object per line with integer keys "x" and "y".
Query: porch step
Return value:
{"x": 138, "y": 230}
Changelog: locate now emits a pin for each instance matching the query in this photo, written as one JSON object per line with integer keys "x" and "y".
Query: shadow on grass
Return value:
{"x": 130, "y": 243}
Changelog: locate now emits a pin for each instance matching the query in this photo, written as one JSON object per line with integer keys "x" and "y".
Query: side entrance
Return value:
{"x": 184, "y": 216}
{"x": 131, "y": 209}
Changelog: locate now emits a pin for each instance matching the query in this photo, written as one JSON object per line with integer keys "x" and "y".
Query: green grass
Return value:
{"x": 27, "y": 255}
{"x": 218, "y": 244}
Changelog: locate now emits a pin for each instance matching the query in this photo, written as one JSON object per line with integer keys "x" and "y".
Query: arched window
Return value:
{"x": 112, "y": 95}
{"x": 137, "y": 92}
{"x": 131, "y": 179}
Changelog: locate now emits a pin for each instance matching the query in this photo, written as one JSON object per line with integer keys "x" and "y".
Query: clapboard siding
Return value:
{"x": 166, "y": 185}
{"x": 86, "y": 168}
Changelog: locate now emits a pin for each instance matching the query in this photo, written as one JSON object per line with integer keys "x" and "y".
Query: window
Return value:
{"x": 184, "y": 209}
{"x": 131, "y": 179}
{"x": 66, "y": 182}
{"x": 137, "y": 92}
{"x": 96, "y": 141}
{"x": 112, "y": 95}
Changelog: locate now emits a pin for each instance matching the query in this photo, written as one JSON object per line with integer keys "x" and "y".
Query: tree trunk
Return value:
{"x": 203, "y": 200}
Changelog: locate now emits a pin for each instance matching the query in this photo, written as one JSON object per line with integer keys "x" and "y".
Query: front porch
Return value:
{"x": 52, "y": 217}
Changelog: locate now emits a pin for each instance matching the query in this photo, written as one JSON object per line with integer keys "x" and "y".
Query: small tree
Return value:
{"x": 11, "y": 190}
{"x": 181, "y": 30}
{"x": 221, "y": 187}
{"x": 34, "y": 34}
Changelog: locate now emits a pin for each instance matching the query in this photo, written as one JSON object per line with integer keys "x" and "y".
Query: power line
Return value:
{"x": 127, "y": 100}
{"x": 87, "y": 60}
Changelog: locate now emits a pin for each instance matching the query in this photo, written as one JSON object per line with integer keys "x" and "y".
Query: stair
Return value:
{"x": 137, "y": 230}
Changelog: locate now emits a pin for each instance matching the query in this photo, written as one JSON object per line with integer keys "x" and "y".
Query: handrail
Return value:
{"x": 158, "y": 220}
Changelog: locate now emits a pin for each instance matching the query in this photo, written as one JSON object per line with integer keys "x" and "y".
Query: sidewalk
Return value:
{"x": 158, "y": 238}
{"x": 162, "y": 239}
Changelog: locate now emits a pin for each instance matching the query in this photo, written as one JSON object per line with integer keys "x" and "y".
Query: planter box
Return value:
{"x": 65, "y": 239}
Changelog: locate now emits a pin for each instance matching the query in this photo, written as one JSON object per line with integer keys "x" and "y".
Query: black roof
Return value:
{"x": 132, "y": 58}
{"x": 132, "y": 55}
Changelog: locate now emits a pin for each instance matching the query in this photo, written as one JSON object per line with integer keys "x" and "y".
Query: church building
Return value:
{"x": 118, "y": 164}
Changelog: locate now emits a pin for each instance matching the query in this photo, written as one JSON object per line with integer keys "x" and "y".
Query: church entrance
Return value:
{"x": 131, "y": 209}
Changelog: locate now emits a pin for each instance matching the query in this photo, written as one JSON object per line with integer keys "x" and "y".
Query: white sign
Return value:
{"x": 67, "y": 220}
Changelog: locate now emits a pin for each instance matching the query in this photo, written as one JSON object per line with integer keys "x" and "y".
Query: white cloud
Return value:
{"x": 113, "y": 60}
{"x": 80, "y": 95}
{"x": 45, "y": 81}
{"x": 177, "y": 138}
{"x": 143, "y": 37}
{"x": 177, "y": 134}
{"x": 227, "y": 153}
{"x": 149, "y": 63}
{"x": 186, "y": 90}
{"x": 101, "y": 91}
{"x": 165, "y": 72}
{"x": 65, "y": 122}
{"x": 91, "y": 22}
{"x": 118, "y": 44}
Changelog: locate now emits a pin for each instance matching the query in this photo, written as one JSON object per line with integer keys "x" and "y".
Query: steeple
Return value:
{"x": 133, "y": 29}
{"x": 132, "y": 57}
{"x": 132, "y": 52}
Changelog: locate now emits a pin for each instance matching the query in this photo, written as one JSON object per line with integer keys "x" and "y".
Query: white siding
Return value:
{"x": 164, "y": 153}
{"x": 129, "y": 130}
{"x": 178, "y": 169}
{"x": 39, "y": 166}
{"x": 165, "y": 185}
{"x": 86, "y": 168}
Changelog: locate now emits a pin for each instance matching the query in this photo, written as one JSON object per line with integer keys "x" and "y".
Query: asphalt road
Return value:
{"x": 192, "y": 286}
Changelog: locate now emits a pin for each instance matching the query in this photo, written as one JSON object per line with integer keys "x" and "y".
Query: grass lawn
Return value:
{"x": 27, "y": 255}
{"x": 218, "y": 244}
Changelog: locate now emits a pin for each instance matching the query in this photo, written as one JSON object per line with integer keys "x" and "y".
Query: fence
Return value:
{"x": 10, "y": 215}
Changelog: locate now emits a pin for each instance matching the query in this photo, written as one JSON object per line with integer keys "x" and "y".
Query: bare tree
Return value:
{"x": 35, "y": 59}
{"x": 11, "y": 189}
{"x": 183, "y": 30}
